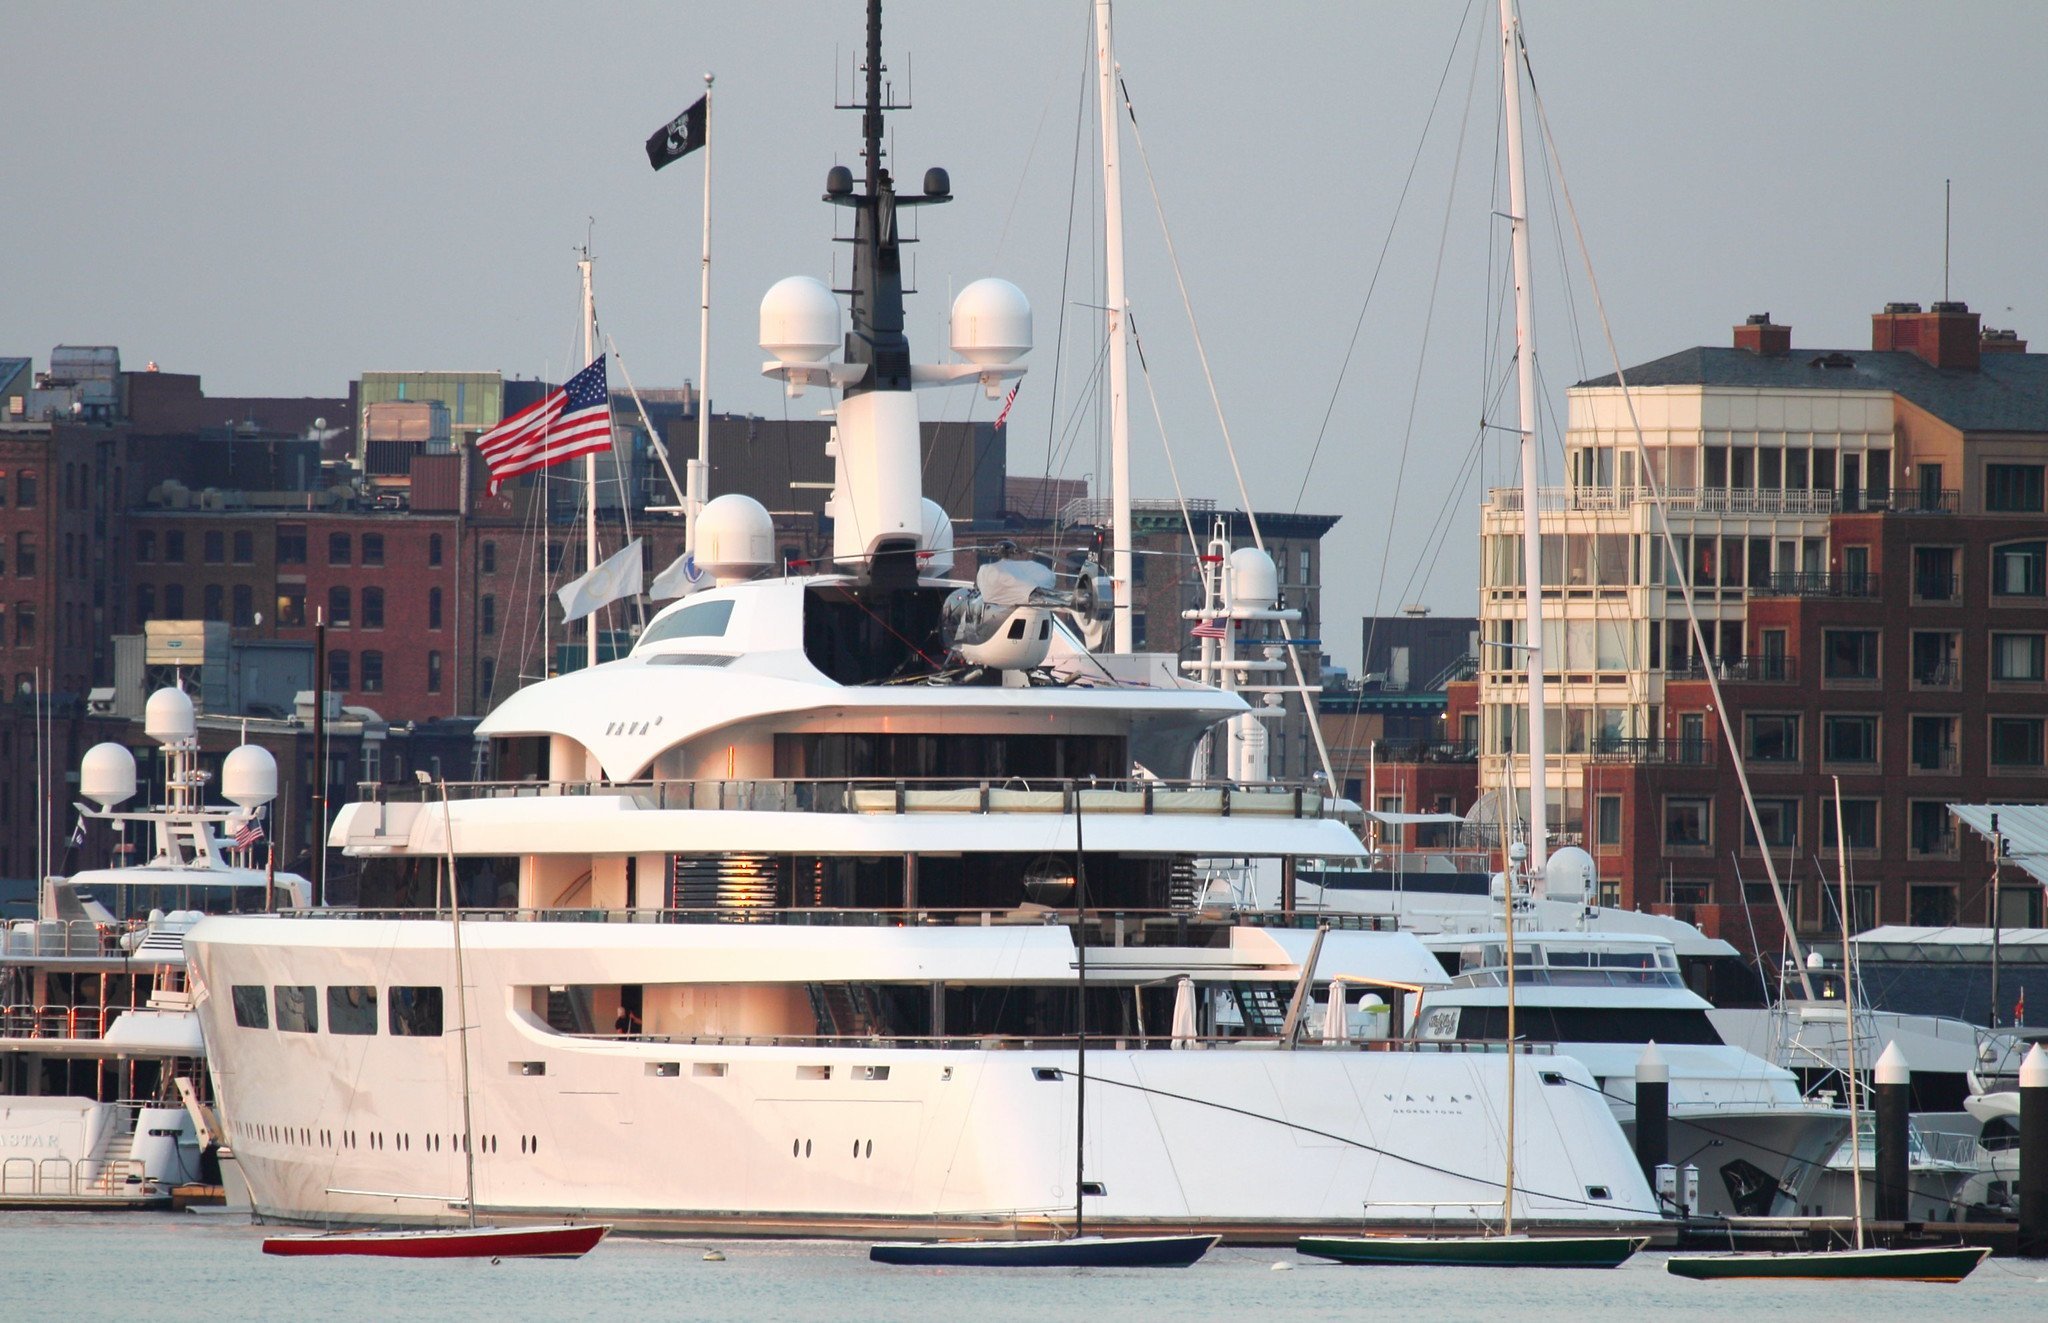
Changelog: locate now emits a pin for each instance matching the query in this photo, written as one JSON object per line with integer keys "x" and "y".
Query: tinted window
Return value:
{"x": 252, "y": 1009}
{"x": 352, "y": 1010}
{"x": 704, "y": 620}
{"x": 298, "y": 1011}
{"x": 416, "y": 1012}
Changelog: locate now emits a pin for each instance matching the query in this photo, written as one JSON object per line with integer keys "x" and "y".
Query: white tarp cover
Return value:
{"x": 2024, "y": 826}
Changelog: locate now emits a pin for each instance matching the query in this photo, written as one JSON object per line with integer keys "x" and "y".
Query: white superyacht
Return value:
{"x": 794, "y": 944}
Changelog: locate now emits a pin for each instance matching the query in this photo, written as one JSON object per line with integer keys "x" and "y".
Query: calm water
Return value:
{"x": 209, "y": 1266}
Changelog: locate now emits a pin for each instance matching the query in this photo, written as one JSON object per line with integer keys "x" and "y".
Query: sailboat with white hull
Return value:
{"x": 806, "y": 850}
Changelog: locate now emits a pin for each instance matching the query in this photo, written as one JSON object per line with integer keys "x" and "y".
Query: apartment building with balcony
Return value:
{"x": 1863, "y": 532}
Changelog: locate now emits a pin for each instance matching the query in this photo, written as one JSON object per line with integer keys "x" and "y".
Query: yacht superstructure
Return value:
{"x": 770, "y": 927}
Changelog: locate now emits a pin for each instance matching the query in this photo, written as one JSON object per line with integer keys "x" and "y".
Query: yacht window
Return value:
{"x": 1590, "y": 1024}
{"x": 1628, "y": 960}
{"x": 252, "y": 1008}
{"x": 352, "y": 1010}
{"x": 1574, "y": 958}
{"x": 702, "y": 620}
{"x": 298, "y": 1008}
{"x": 416, "y": 1012}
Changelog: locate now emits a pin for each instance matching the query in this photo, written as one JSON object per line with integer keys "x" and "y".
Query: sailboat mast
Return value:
{"x": 589, "y": 465}
{"x": 1525, "y": 382}
{"x": 697, "y": 479}
{"x": 1849, "y": 1005}
{"x": 461, "y": 1001}
{"x": 1114, "y": 302}
{"x": 1080, "y": 1012}
{"x": 1507, "y": 1190}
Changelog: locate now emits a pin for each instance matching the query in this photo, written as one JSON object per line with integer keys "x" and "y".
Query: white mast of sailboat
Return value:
{"x": 698, "y": 476}
{"x": 589, "y": 465}
{"x": 1849, "y": 1001}
{"x": 461, "y": 994}
{"x": 1117, "y": 309}
{"x": 1525, "y": 381}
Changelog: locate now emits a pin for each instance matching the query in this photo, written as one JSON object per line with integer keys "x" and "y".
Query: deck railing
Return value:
{"x": 1105, "y": 927}
{"x": 84, "y": 1177}
{"x": 905, "y": 794}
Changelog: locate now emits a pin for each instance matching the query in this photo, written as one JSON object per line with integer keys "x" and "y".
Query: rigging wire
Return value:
{"x": 1066, "y": 264}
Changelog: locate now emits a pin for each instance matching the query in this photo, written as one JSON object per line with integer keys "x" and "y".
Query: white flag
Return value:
{"x": 680, "y": 579}
{"x": 618, "y": 577}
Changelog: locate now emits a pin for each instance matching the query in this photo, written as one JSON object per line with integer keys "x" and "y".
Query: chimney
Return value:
{"x": 1947, "y": 336}
{"x": 2001, "y": 342}
{"x": 1762, "y": 336}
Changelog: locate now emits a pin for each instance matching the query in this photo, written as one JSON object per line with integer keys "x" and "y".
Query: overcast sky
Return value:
{"x": 282, "y": 197}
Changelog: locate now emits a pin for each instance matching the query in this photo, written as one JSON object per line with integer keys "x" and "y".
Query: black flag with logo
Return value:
{"x": 677, "y": 138}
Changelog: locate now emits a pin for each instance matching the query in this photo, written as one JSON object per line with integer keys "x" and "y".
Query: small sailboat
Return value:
{"x": 1939, "y": 1263}
{"x": 1508, "y": 1250}
{"x": 568, "y": 1240}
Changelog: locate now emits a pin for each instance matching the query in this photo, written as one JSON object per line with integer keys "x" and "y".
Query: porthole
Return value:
{"x": 871, "y": 1148}
{"x": 807, "y": 1148}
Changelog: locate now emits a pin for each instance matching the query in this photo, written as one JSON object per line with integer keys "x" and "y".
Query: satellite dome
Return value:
{"x": 799, "y": 320}
{"x": 735, "y": 537}
{"x": 936, "y": 556}
{"x": 991, "y": 323}
{"x": 248, "y": 776}
{"x": 1570, "y": 874}
{"x": 107, "y": 775}
{"x": 1254, "y": 580}
{"x": 167, "y": 717}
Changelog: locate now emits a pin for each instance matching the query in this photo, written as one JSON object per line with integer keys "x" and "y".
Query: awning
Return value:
{"x": 1415, "y": 819}
{"x": 2024, "y": 826}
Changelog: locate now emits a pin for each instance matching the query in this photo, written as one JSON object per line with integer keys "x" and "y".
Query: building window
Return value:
{"x": 373, "y": 548}
{"x": 216, "y": 544}
{"x": 2016, "y": 657}
{"x": 1848, "y": 739}
{"x": 1686, "y": 823}
{"x": 434, "y": 549}
{"x": 433, "y": 672}
{"x": 1934, "y": 574}
{"x": 245, "y": 547}
{"x": 1773, "y": 738}
{"x": 174, "y": 546}
{"x": 145, "y": 603}
{"x": 214, "y": 598}
{"x": 2016, "y": 742}
{"x": 291, "y": 544}
{"x": 25, "y": 488}
{"x": 487, "y": 616}
{"x": 24, "y": 556}
{"x": 1859, "y": 820}
{"x": 2016, "y": 569}
{"x": 1932, "y": 743}
{"x": 1931, "y": 906}
{"x": 1927, "y": 828}
{"x": 291, "y": 604}
{"x": 145, "y": 545}
{"x": 373, "y": 606}
{"x": 487, "y": 676}
{"x": 1780, "y": 818}
{"x": 489, "y": 558}
{"x": 2012, "y": 488}
{"x": 433, "y": 608}
{"x": 1607, "y": 819}
{"x": 244, "y": 611}
{"x": 339, "y": 551}
{"x": 337, "y": 605}
{"x": 174, "y": 601}
{"x": 1934, "y": 658}
{"x": 24, "y": 624}
{"x": 373, "y": 673}
{"x": 1849, "y": 654}
{"x": 337, "y": 669}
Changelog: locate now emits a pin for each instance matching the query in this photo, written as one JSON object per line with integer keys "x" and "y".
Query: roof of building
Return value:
{"x": 10, "y": 368}
{"x": 2007, "y": 393}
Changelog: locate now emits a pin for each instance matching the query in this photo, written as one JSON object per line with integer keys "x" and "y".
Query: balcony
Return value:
{"x": 1933, "y": 758}
{"x": 1682, "y": 500}
{"x": 1937, "y": 675}
{"x": 1424, "y": 752}
{"x": 1948, "y": 501}
{"x": 1858, "y": 585}
{"x": 1655, "y": 752}
{"x": 1771, "y": 669}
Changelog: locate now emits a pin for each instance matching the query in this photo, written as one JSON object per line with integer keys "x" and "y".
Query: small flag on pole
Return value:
{"x": 679, "y": 137}
{"x": 617, "y": 577}
{"x": 78, "y": 833}
{"x": 246, "y": 835}
{"x": 1210, "y": 629}
{"x": 680, "y": 579}
{"x": 2019, "y": 1010}
{"x": 571, "y": 420}
{"x": 1011, "y": 399}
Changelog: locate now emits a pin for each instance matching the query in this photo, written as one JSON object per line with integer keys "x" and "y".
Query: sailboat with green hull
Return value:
{"x": 1942, "y": 1263}
{"x": 1475, "y": 1251}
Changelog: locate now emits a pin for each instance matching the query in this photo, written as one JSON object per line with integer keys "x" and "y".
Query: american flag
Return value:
{"x": 1210, "y": 629}
{"x": 246, "y": 835}
{"x": 571, "y": 420}
{"x": 1011, "y": 399}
